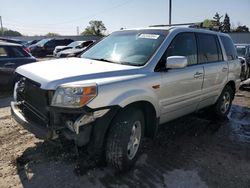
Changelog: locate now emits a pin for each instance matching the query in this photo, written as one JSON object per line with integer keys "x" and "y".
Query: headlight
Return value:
{"x": 74, "y": 96}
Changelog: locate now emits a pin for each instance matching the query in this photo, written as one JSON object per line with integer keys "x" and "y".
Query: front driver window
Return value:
{"x": 184, "y": 44}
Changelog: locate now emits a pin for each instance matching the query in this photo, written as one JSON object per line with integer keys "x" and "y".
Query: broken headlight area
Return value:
{"x": 77, "y": 122}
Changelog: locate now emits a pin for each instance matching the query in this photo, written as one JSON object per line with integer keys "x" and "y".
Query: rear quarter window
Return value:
{"x": 229, "y": 48}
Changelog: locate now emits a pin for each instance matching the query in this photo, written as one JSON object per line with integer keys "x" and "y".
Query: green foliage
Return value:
{"x": 52, "y": 34}
{"x": 226, "y": 26}
{"x": 10, "y": 33}
{"x": 207, "y": 23}
{"x": 242, "y": 29}
{"x": 217, "y": 22}
{"x": 96, "y": 27}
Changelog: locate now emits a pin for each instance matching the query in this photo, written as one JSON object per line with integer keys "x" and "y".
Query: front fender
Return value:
{"x": 137, "y": 95}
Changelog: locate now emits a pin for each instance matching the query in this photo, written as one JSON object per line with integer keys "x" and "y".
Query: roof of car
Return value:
{"x": 184, "y": 28}
{"x": 3, "y": 43}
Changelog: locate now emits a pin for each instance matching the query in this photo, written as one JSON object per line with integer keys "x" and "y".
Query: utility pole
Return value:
{"x": 77, "y": 30}
{"x": 170, "y": 11}
{"x": 1, "y": 25}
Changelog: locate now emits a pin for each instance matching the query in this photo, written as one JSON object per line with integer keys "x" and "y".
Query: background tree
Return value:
{"x": 10, "y": 33}
{"x": 50, "y": 34}
{"x": 226, "y": 26}
{"x": 207, "y": 23}
{"x": 96, "y": 27}
{"x": 217, "y": 22}
{"x": 243, "y": 28}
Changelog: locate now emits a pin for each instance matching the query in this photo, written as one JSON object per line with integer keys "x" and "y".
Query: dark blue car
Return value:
{"x": 11, "y": 56}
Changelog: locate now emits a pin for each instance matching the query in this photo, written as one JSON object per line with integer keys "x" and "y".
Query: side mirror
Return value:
{"x": 176, "y": 62}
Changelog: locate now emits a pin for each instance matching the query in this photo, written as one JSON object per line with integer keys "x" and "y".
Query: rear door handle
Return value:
{"x": 198, "y": 74}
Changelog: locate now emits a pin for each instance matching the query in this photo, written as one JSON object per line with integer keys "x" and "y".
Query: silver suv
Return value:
{"x": 125, "y": 86}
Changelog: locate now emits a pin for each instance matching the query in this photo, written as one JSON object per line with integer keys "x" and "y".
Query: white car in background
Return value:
{"x": 74, "y": 44}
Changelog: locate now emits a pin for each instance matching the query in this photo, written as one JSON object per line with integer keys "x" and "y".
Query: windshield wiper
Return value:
{"x": 104, "y": 60}
{"x": 133, "y": 64}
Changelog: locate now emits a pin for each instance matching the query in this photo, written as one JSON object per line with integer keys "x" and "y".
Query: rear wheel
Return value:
{"x": 124, "y": 139}
{"x": 224, "y": 102}
{"x": 248, "y": 72}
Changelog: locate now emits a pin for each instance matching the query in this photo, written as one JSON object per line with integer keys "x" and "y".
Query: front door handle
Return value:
{"x": 198, "y": 74}
{"x": 224, "y": 69}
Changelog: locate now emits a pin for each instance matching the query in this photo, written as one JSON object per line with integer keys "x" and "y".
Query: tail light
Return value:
{"x": 27, "y": 50}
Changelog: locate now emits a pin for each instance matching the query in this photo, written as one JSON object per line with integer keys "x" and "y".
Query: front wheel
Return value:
{"x": 224, "y": 102}
{"x": 124, "y": 139}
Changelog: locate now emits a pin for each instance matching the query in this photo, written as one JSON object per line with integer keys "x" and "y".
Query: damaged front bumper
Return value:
{"x": 38, "y": 130}
{"x": 77, "y": 126}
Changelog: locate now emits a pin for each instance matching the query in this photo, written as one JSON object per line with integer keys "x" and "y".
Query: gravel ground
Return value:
{"x": 193, "y": 151}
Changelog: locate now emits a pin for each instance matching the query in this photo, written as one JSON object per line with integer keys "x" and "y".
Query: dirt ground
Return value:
{"x": 194, "y": 151}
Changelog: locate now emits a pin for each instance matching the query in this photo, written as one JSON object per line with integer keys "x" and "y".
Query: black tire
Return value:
{"x": 247, "y": 72}
{"x": 120, "y": 134}
{"x": 224, "y": 102}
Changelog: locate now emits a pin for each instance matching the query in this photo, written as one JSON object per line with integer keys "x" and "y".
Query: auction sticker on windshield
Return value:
{"x": 149, "y": 36}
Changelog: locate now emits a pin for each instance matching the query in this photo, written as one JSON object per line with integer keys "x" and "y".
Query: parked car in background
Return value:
{"x": 124, "y": 86}
{"x": 11, "y": 56}
{"x": 31, "y": 42}
{"x": 15, "y": 41}
{"x": 243, "y": 51}
{"x": 74, "y": 44}
{"x": 47, "y": 46}
{"x": 76, "y": 51}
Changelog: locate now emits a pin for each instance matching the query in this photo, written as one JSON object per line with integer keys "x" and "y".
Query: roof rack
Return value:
{"x": 198, "y": 25}
{"x": 180, "y": 24}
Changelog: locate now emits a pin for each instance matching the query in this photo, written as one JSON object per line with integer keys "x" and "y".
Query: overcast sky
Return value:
{"x": 32, "y": 17}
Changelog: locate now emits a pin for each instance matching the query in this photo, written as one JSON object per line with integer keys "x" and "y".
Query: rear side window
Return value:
{"x": 60, "y": 42}
{"x": 184, "y": 44}
{"x": 18, "y": 52}
{"x": 229, "y": 47}
{"x": 208, "y": 48}
{"x": 51, "y": 44}
{"x": 3, "y": 52}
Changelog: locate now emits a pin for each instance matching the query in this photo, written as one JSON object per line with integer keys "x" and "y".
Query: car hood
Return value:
{"x": 51, "y": 74}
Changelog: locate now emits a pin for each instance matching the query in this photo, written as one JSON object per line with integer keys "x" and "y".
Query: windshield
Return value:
{"x": 42, "y": 42}
{"x": 127, "y": 47}
{"x": 74, "y": 44}
{"x": 241, "y": 50}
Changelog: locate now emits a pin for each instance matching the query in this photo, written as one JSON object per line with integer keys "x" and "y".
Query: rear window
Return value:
{"x": 229, "y": 47}
{"x": 208, "y": 48}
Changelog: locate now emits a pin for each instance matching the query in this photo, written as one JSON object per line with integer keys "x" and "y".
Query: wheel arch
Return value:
{"x": 232, "y": 84}
{"x": 150, "y": 116}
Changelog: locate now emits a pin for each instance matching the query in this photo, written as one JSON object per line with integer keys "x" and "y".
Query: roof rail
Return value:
{"x": 198, "y": 25}
{"x": 180, "y": 24}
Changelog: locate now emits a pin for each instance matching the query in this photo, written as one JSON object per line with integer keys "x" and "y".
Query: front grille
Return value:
{"x": 34, "y": 100}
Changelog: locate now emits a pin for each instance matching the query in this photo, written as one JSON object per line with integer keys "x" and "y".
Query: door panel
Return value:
{"x": 181, "y": 88}
{"x": 215, "y": 69}
{"x": 215, "y": 79}
{"x": 5, "y": 71}
{"x": 180, "y": 91}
